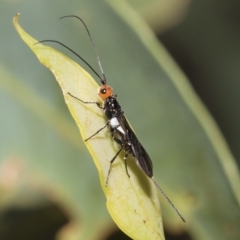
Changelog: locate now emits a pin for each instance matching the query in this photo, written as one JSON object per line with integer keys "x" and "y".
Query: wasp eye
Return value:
{"x": 105, "y": 91}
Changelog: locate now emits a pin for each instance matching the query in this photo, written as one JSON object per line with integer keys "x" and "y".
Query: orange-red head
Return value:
{"x": 105, "y": 91}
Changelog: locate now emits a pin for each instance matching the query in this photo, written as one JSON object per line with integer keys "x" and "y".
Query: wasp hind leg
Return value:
{"x": 111, "y": 162}
{"x": 125, "y": 161}
{"x": 119, "y": 141}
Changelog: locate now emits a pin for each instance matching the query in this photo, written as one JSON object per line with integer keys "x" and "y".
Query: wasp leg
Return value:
{"x": 125, "y": 161}
{"x": 111, "y": 162}
{"x": 120, "y": 142}
{"x": 97, "y": 103}
{"x": 107, "y": 123}
{"x": 117, "y": 140}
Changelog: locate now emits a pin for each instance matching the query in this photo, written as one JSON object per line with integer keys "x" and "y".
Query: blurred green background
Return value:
{"x": 49, "y": 187}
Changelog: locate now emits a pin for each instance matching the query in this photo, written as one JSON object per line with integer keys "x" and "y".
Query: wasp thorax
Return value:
{"x": 105, "y": 91}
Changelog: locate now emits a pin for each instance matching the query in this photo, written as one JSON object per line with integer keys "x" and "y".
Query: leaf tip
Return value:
{"x": 16, "y": 17}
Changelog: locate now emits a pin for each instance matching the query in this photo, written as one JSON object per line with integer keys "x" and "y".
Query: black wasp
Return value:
{"x": 119, "y": 127}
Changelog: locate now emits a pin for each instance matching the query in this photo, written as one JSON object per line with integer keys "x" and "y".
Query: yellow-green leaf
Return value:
{"x": 132, "y": 202}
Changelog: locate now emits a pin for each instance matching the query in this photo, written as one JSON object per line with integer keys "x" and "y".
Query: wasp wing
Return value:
{"x": 139, "y": 153}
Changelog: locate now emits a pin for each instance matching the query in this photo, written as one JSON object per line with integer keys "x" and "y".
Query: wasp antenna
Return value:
{"x": 73, "y": 53}
{"x": 164, "y": 194}
{"x": 103, "y": 79}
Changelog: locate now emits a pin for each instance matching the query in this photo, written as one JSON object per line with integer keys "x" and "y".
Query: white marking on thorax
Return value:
{"x": 114, "y": 123}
